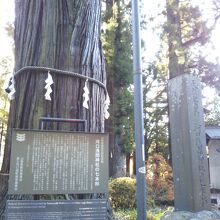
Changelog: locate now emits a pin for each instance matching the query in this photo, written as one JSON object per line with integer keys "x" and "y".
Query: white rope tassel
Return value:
{"x": 10, "y": 87}
{"x": 106, "y": 107}
{"x": 49, "y": 82}
{"x": 86, "y": 95}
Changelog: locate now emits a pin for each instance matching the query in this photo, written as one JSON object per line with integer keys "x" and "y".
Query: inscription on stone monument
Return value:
{"x": 48, "y": 162}
{"x": 190, "y": 164}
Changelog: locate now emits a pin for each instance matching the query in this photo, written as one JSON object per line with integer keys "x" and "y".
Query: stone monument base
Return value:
{"x": 183, "y": 215}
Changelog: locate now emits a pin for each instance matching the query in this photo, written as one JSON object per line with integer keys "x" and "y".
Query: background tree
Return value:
{"x": 155, "y": 110}
{"x": 117, "y": 49}
{"x": 187, "y": 35}
{"x": 6, "y": 65}
{"x": 58, "y": 34}
{"x": 183, "y": 41}
{"x": 4, "y": 103}
{"x": 212, "y": 110}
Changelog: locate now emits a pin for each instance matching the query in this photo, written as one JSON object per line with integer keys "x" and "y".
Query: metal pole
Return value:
{"x": 141, "y": 193}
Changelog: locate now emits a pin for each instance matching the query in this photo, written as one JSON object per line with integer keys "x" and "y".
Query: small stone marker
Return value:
{"x": 187, "y": 129}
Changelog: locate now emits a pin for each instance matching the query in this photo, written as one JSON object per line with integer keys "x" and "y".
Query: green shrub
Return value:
{"x": 125, "y": 214}
{"x": 152, "y": 214}
{"x": 122, "y": 193}
{"x": 157, "y": 213}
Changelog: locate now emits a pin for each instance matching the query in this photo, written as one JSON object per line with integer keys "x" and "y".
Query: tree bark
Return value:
{"x": 58, "y": 34}
{"x": 176, "y": 53}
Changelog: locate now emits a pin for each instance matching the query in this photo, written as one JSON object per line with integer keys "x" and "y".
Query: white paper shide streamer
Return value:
{"x": 86, "y": 95}
{"x": 10, "y": 88}
{"x": 106, "y": 106}
{"x": 49, "y": 82}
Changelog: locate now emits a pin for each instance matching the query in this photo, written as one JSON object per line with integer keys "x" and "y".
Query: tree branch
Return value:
{"x": 198, "y": 39}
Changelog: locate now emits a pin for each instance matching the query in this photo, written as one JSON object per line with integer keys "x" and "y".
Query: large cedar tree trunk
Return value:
{"x": 117, "y": 154}
{"x": 62, "y": 34}
{"x": 176, "y": 65}
{"x": 175, "y": 53}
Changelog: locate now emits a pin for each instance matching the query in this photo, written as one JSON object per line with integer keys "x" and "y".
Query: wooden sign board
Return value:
{"x": 52, "y": 162}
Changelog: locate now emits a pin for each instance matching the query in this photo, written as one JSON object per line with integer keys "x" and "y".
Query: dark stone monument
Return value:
{"x": 190, "y": 164}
